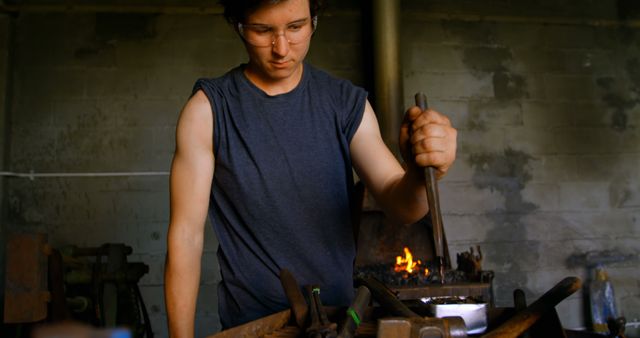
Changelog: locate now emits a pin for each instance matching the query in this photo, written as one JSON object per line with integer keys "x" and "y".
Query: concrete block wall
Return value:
{"x": 547, "y": 117}
{"x": 5, "y": 38}
{"x": 100, "y": 93}
{"x": 549, "y": 144}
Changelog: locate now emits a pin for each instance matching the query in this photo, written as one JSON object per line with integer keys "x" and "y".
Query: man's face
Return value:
{"x": 277, "y": 38}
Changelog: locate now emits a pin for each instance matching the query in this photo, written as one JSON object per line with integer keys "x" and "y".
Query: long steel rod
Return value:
{"x": 433, "y": 198}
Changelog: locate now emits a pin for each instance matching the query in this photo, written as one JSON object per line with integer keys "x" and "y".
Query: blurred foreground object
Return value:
{"x": 78, "y": 330}
{"x": 26, "y": 291}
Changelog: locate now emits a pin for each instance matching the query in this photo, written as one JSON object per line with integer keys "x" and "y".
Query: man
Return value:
{"x": 282, "y": 138}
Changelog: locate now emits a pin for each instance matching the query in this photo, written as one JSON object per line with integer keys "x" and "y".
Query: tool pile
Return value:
{"x": 313, "y": 321}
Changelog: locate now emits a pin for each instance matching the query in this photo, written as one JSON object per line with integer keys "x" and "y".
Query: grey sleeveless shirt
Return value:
{"x": 281, "y": 189}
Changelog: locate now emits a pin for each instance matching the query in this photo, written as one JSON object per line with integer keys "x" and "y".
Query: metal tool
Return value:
{"x": 291, "y": 288}
{"x": 320, "y": 325}
{"x": 473, "y": 314}
{"x": 434, "y": 202}
{"x": 355, "y": 312}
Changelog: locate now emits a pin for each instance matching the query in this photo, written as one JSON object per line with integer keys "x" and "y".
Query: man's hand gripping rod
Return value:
{"x": 434, "y": 201}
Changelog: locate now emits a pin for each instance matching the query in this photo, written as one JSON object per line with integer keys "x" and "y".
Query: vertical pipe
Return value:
{"x": 387, "y": 73}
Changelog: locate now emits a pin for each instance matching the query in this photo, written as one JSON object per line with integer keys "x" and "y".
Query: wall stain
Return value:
{"x": 483, "y": 114}
{"x": 486, "y": 59}
{"x": 15, "y": 209}
{"x": 471, "y": 33}
{"x": 617, "y": 99}
{"x": 624, "y": 192}
{"x": 506, "y": 84}
{"x": 509, "y": 86}
{"x": 508, "y": 174}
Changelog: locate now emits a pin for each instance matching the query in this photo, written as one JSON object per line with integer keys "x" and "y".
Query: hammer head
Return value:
{"x": 449, "y": 327}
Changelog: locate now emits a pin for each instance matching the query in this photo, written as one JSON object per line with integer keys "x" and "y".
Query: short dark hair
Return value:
{"x": 236, "y": 11}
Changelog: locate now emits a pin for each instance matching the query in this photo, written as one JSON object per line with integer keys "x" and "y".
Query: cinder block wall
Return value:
{"x": 549, "y": 145}
{"x": 5, "y": 29}
{"x": 547, "y": 116}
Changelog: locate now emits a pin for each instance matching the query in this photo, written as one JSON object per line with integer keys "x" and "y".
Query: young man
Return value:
{"x": 282, "y": 138}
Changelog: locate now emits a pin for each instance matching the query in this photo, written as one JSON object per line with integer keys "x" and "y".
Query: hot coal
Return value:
{"x": 386, "y": 274}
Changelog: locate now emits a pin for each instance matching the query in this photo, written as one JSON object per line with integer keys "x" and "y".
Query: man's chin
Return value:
{"x": 282, "y": 72}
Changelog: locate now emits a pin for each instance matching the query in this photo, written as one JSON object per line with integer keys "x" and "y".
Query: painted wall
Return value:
{"x": 547, "y": 113}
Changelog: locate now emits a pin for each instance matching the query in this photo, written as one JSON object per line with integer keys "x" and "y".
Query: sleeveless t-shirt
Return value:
{"x": 281, "y": 191}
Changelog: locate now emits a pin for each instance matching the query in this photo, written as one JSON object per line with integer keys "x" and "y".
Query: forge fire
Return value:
{"x": 408, "y": 270}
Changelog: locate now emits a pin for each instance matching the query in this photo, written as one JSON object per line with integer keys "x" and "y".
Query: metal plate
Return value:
{"x": 474, "y": 315}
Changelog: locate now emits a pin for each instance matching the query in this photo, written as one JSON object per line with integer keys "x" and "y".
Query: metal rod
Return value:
{"x": 433, "y": 198}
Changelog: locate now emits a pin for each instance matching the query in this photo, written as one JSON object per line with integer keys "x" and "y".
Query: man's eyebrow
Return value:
{"x": 298, "y": 21}
{"x": 258, "y": 24}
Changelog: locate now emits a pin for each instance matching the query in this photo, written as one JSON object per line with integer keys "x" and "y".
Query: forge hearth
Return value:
{"x": 402, "y": 257}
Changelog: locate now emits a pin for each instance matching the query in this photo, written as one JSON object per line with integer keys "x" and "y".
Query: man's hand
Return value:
{"x": 427, "y": 139}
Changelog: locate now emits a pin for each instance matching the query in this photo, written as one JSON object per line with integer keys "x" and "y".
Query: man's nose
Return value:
{"x": 280, "y": 45}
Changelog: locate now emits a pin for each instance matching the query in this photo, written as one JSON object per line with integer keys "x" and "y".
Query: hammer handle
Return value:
{"x": 525, "y": 318}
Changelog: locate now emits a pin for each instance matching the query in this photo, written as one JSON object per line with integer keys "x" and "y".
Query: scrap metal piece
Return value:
{"x": 470, "y": 263}
{"x": 473, "y": 313}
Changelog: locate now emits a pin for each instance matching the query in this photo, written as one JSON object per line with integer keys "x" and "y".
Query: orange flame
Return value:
{"x": 407, "y": 266}
{"x": 405, "y": 263}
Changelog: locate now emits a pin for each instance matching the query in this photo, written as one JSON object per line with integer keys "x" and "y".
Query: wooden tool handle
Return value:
{"x": 522, "y": 320}
{"x": 295, "y": 297}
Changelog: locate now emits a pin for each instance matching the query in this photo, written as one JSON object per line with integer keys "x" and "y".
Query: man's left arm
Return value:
{"x": 426, "y": 139}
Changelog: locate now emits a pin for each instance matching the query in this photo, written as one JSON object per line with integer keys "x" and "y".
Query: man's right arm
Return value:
{"x": 191, "y": 176}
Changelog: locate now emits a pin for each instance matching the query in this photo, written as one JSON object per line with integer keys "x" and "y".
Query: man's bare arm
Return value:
{"x": 426, "y": 138}
{"x": 191, "y": 176}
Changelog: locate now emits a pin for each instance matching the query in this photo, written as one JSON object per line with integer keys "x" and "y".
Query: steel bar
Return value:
{"x": 433, "y": 198}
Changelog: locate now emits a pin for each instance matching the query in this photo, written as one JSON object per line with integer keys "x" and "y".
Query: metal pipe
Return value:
{"x": 387, "y": 72}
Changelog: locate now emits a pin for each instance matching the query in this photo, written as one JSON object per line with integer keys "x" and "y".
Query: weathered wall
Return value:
{"x": 5, "y": 38}
{"x": 547, "y": 116}
{"x": 549, "y": 145}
